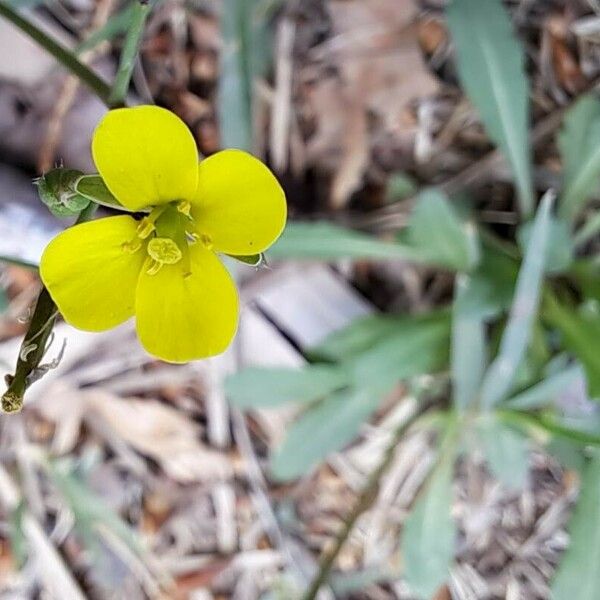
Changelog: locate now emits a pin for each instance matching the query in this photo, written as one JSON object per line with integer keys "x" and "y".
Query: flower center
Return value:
{"x": 166, "y": 233}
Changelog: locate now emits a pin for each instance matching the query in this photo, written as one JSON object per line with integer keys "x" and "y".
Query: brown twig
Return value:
{"x": 393, "y": 217}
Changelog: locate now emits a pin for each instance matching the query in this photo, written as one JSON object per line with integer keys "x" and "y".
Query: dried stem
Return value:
{"x": 364, "y": 501}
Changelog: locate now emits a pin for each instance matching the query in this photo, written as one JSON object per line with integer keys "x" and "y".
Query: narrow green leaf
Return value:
{"x": 491, "y": 286}
{"x": 559, "y": 254}
{"x": 115, "y": 25}
{"x": 439, "y": 234}
{"x": 321, "y": 430}
{"x": 364, "y": 333}
{"x": 262, "y": 387}
{"x": 490, "y": 62}
{"x": 578, "y": 576}
{"x": 506, "y": 451}
{"x": 579, "y": 144}
{"x": 407, "y": 353}
{"x": 500, "y": 376}
{"x": 468, "y": 351}
{"x": 242, "y": 60}
{"x": 429, "y": 535}
{"x": 580, "y": 332}
{"x": 546, "y": 392}
{"x": 326, "y": 241}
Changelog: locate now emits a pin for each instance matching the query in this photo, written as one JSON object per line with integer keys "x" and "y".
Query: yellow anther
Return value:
{"x": 184, "y": 207}
{"x": 164, "y": 251}
{"x": 206, "y": 241}
{"x": 132, "y": 246}
{"x": 145, "y": 228}
{"x": 153, "y": 266}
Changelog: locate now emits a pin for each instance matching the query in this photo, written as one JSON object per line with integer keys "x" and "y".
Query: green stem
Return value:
{"x": 366, "y": 498}
{"x": 35, "y": 342}
{"x": 62, "y": 54}
{"x": 129, "y": 54}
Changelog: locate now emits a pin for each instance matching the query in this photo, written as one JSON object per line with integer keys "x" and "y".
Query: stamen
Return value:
{"x": 148, "y": 224}
{"x": 132, "y": 246}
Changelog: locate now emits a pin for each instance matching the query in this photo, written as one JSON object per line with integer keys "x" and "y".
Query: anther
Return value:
{"x": 206, "y": 240}
{"x": 184, "y": 207}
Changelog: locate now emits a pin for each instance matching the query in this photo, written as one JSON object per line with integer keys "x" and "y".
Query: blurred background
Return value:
{"x": 415, "y": 367}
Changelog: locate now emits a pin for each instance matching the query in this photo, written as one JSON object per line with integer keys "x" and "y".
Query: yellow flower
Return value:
{"x": 163, "y": 268}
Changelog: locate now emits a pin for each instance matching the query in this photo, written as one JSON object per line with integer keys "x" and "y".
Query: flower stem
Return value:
{"x": 366, "y": 498}
{"x": 129, "y": 54}
{"x": 35, "y": 342}
{"x": 64, "y": 56}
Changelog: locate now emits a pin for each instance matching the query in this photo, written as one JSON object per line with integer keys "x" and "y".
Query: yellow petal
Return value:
{"x": 90, "y": 277}
{"x": 181, "y": 318}
{"x": 146, "y": 156}
{"x": 239, "y": 205}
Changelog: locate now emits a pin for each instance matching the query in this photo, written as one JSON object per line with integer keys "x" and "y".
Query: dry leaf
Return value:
{"x": 162, "y": 433}
{"x": 376, "y": 51}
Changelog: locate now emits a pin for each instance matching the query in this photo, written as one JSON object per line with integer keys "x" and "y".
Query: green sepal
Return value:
{"x": 94, "y": 188}
{"x": 254, "y": 260}
{"x": 57, "y": 190}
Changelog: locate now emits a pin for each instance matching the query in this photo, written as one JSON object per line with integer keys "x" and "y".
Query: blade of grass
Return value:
{"x": 64, "y": 56}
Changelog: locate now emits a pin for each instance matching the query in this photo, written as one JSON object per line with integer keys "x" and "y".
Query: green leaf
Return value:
{"x": 559, "y": 254}
{"x": 580, "y": 332}
{"x": 491, "y": 287}
{"x": 513, "y": 346}
{"x": 325, "y": 241}
{"x": 468, "y": 351}
{"x": 506, "y": 451}
{"x": 321, "y": 430}
{"x": 364, "y": 333}
{"x": 546, "y": 392}
{"x": 578, "y": 575}
{"x": 407, "y": 353}
{"x": 579, "y": 144}
{"x": 439, "y": 234}
{"x": 490, "y": 62}
{"x": 261, "y": 387}
{"x": 429, "y": 535}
